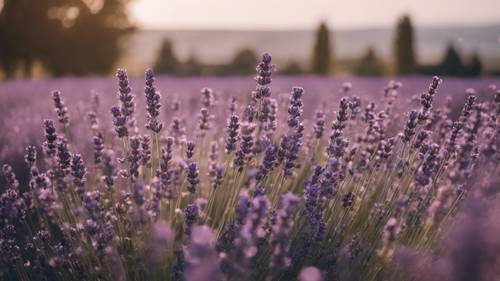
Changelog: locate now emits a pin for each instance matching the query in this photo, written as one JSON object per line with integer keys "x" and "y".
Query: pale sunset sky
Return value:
{"x": 302, "y": 14}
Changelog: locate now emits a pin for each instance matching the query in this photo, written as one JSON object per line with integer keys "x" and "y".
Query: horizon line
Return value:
{"x": 284, "y": 29}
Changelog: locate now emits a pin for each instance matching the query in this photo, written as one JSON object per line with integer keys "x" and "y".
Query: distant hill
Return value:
{"x": 218, "y": 46}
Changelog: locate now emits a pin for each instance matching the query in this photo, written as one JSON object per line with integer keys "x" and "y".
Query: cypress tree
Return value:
{"x": 322, "y": 55}
{"x": 404, "y": 49}
{"x": 166, "y": 61}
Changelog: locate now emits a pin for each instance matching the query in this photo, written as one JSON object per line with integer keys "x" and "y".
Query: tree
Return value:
{"x": 475, "y": 66}
{"x": 322, "y": 55}
{"x": 452, "y": 63}
{"x": 244, "y": 62}
{"x": 404, "y": 50}
{"x": 369, "y": 64}
{"x": 68, "y": 36}
{"x": 166, "y": 61}
{"x": 26, "y": 32}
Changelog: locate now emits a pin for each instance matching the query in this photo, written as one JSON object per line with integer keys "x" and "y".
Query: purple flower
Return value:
{"x": 247, "y": 141}
{"x": 61, "y": 109}
{"x": 190, "y": 150}
{"x": 120, "y": 122}
{"x": 233, "y": 126}
{"x": 270, "y": 157}
{"x": 134, "y": 157}
{"x": 146, "y": 151}
{"x": 50, "y": 135}
{"x": 263, "y": 78}
{"x": 280, "y": 231}
{"x": 79, "y": 173}
{"x": 411, "y": 124}
{"x": 191, "y": 213}
{"x": 126, "y": 98}
{"x": 152, "y": 103}
{"x": 310, "y": 273}
{"x": 201, "y": 256}
{"x": 10, "y": 177}
{"x": 98, "y": 143}
{"x": 192, "y": 177}
{"x": 319, "y": 124}
{"x": 207, "y": 97}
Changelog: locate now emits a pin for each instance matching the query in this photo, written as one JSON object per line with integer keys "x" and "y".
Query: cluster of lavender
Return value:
{"x": 270, "y": 195}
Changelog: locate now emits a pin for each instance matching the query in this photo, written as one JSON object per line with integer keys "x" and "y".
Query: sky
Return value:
{"x": 302, "y": 14}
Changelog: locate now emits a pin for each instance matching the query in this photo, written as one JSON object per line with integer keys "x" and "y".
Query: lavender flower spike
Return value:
{"x": 263, "y": 78}
{"x": 192, "y": 177}
{"x": 79, "y": 173}
{"x": 126, "y": 97}
{"x": 233, "y": 126}
{"x": 61, "y": 109}
{"x": 152, "y": 103}
{"x": 49, "y": 146}
{"x": 120, "y": 122}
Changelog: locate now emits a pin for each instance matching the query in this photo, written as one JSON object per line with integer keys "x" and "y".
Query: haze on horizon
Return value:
{"x": 300, "y": 14}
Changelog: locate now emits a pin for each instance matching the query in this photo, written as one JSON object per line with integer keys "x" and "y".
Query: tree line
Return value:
{"x": 82, "y": 37}
{"x": 323, "y": 61}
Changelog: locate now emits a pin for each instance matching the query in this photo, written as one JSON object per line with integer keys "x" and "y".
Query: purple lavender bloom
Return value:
{"x": 271, "y": 125}
{"x": 336, "y": 143}
{"x": 63, "y": 154}
{"x": 146, "y": 151}
{"x": 134, "y": 157}
{"x": 411, "y": 124}
{"x": 295, "y": 107}
{"x": 10, "y": 177}
{"x": 165, "y": 170}
{"x": 201, "y": 256}
{"x": 125, "y": 94}
{"x": 281, "y": 230}
{"x": 247, "y": 141}
{"x": 319, "y": 124}
{"x": 162, "y": 238}
{"x": 98, "y": 143}
{"x": 120, "y": 122}
{"x": 205, "y": 117}
{"x": 191, "y": 213}
{"x": 192, "y": 177}
{"x": 108, "y": 168}
{"x": 355, "y": 106}
{"x": 270, "y": 157}
{"x": 292, "y": 144}
{"x": 310, "y": 273}
{"x": 50, "y": 135}
{"x": 79, "y": 173}
{"x": 61, "y": 109}
{"x": 30, "y": 156}
{"x": 233, "y": 126}
{"x": 253, "y": 228}
{"x": 263, "y": 78}
{"x": 139, "y": 193}
{"x": 207, "y": 97}
{"x": 218, "y": 176}
{"x": 429, "y": 166}
{"x": 152, "y": 103}
{"x": 314, "y": 213}
{"x": 426, "y": 99}
{"x": 190, "y": 150}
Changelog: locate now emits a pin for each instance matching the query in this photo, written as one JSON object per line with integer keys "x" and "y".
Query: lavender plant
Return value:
{"x": 262, "y": 194}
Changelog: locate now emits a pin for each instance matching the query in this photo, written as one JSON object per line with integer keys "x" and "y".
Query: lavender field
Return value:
{"x": 272, "y": 178}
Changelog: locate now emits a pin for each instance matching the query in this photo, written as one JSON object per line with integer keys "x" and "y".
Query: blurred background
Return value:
{"x": 52, "y": 38}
